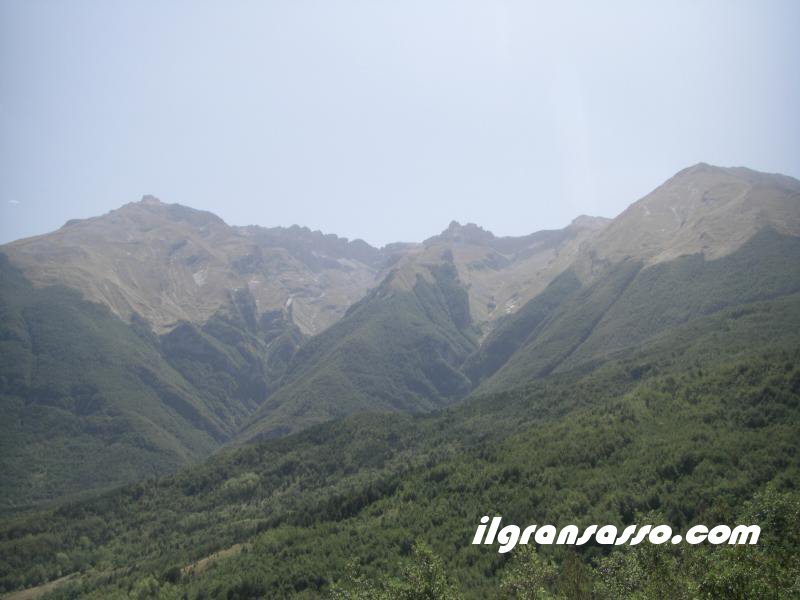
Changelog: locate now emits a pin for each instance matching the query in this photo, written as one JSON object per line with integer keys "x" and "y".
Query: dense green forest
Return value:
{"x": 701, "y": 426}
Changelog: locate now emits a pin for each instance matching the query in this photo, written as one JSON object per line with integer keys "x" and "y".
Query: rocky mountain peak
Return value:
{"x": 588, "y": 222}
{"x": 470, "y": 233}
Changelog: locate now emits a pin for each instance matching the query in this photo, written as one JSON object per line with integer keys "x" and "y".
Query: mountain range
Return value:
{"x": 145, "y": 339}
{"x": 193, "y": 409}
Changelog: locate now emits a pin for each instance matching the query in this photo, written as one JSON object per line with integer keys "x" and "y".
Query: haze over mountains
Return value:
{"x": 146, "y": 338}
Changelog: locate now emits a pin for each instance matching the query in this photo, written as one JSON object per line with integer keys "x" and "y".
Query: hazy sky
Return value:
{"x": 385, "y": 120}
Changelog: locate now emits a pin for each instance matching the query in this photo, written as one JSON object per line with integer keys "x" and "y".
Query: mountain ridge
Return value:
{"x": 248, "y": 332}
{"x": 169, "y": 262}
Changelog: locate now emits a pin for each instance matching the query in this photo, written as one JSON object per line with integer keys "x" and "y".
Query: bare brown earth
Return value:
{"x": 39, "y": 590}
{"x": 201, "y": 565}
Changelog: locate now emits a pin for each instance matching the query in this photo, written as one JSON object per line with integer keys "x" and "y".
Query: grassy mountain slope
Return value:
{"x": 399, "y": 349}
{"x": 701, "y": 209}
{"x": 237, "y": 357}
{"x": 513, "y": 331}
{"x": 503, "y": 273}
{"x": 171, "y": 263}
{"x": 676, "y": 292}
{"x": 411, "y": 345}
{"x": 570, "y": 327}
{"x": 91, "y": 402}
{"x": 700, "y": 422}
{"x": 86, "y": 401}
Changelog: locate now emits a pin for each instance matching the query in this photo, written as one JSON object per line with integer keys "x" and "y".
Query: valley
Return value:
{"x": 322, "y": 417}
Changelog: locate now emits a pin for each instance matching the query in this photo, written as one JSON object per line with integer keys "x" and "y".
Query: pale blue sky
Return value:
{"x": 385, "y": 120}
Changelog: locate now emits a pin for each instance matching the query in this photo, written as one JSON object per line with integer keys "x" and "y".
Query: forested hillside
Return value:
{"x": 91, "y": 402}
{"x": 704, "y": 419}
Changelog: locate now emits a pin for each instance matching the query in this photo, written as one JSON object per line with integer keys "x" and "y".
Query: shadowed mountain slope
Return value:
{"x": 570, "y": 327}
{"x": 707, "y": 239}
{"x": 398, "y": 349}
{"x": 90, "y": 401}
